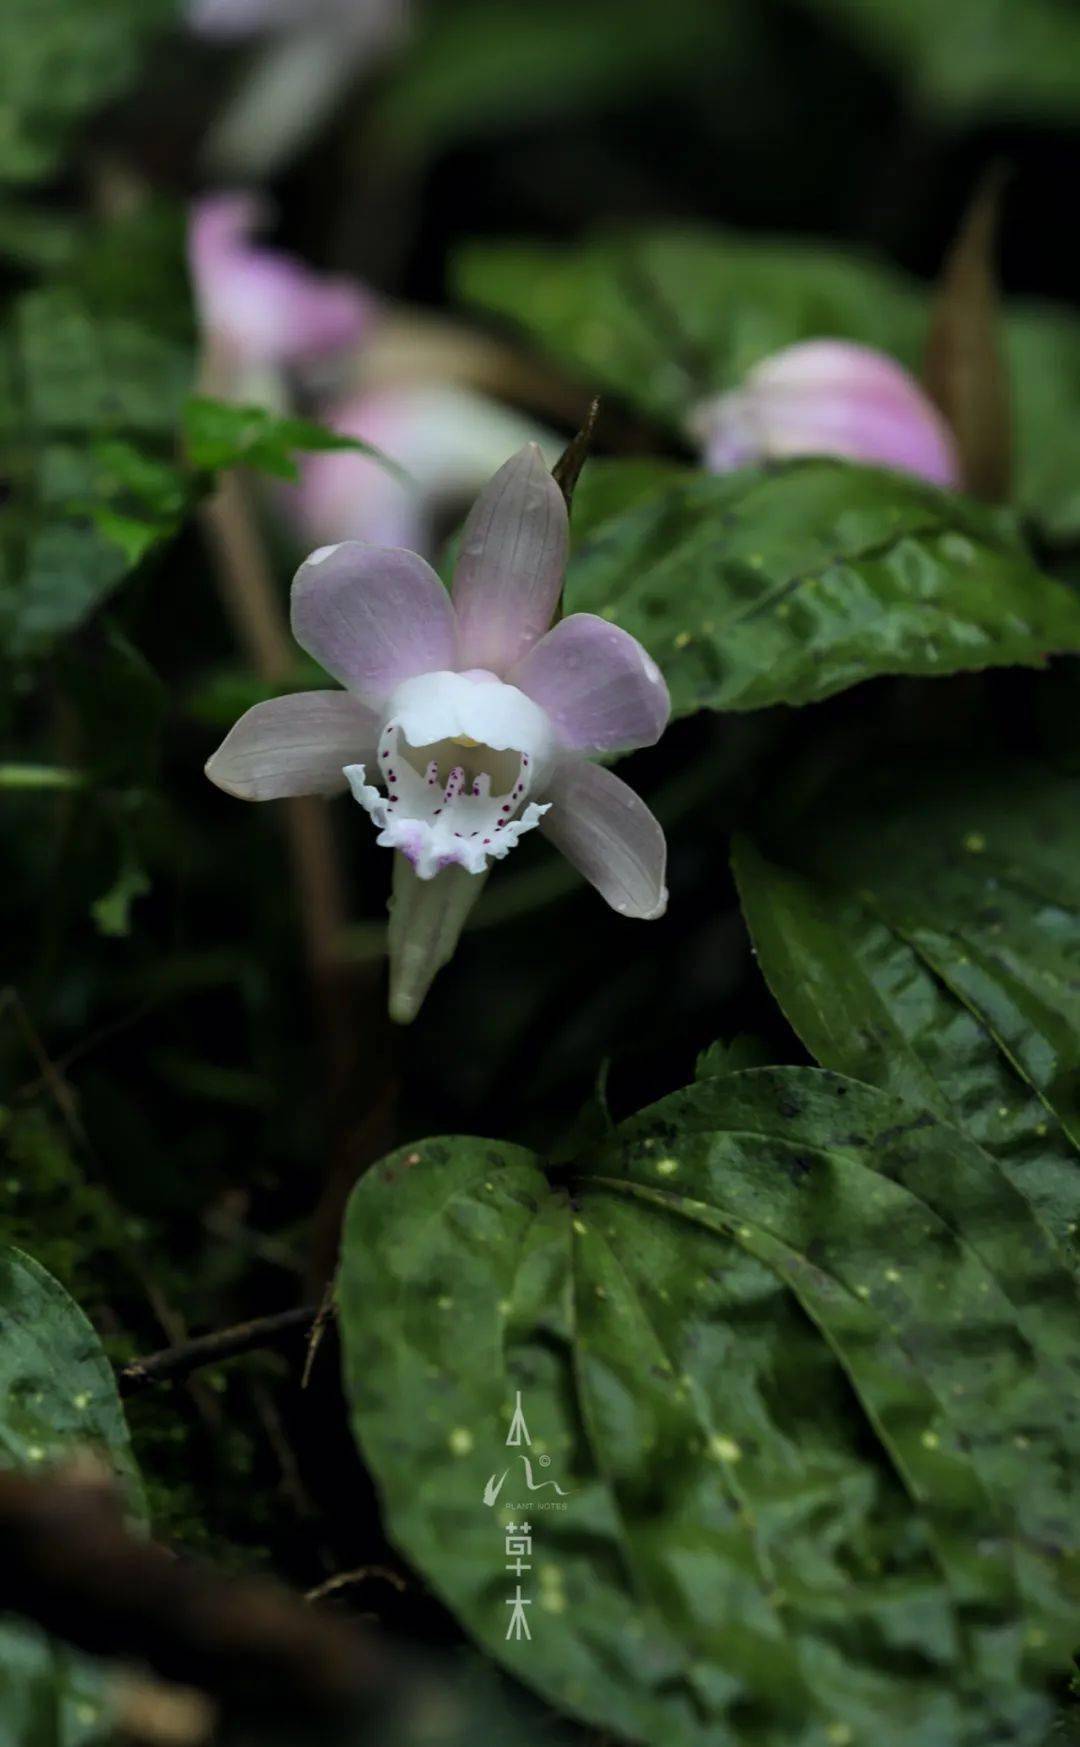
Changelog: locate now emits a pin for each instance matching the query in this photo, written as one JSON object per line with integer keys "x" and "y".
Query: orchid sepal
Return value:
{"x": 426, "y": 920}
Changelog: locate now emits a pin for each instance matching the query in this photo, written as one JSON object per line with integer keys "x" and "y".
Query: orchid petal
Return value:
{"x": 373, "y": 616}
{"x": 426, "y": 919}
{"x": 296, "y": 745}
{"x": 601, "y": 690}
{"x": 513, "y": 556}
{"x": 610, "y": 836}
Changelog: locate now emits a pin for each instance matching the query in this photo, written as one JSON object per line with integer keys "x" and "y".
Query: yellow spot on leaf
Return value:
{"x": 724, "y": 1449}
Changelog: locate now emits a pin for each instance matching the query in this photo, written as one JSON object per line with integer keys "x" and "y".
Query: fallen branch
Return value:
{"x": 173, "y": 1363}
{"x": 69, "y": 1562}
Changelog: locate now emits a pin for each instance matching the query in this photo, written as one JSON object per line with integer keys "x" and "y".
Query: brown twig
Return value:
{"x": 348, "y": 1579}
{"x": 179, "y": 1361}
{"x": 318, "y": 1329}
{"x": 68, "y": 1562}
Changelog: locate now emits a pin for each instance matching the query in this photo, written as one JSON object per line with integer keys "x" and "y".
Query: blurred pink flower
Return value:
{"x": 449, "y": 439}
{"x": 828, "y": 397}
{"x": 465, "y": 721}
{"x": 260, "y": 308}
{"x": 228, "y": 18}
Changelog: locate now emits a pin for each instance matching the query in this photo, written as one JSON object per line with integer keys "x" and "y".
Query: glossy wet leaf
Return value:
{"x": 919, "y": 931}
{"x": 795, "y": 1353}
{"x": 789, "y": 584}
{"x": 667, "y": 319}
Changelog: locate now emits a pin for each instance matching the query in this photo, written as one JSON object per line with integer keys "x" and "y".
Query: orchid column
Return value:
{"x": 465, "y": 722}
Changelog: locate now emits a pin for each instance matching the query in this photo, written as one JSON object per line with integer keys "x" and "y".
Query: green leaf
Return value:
{"x": 797, "y": 1355}
{"x": 49, "y": 1695}
{"x": 57, "y": 1395}
{"x": 789, "y": 584}
{"x": 39, "y": 776}
{"x": 733, "y": 1057}
{"x": 60, "y": 60}
{"x": 919, "y": 932}
{"x": 219, "y": 435}
{"x": 57, "y": 1392}
{"x": 112, "y": 911}
{"x": 478, "y": 68}
{"x": 88, "y": 429}
{"x": 1018, "y": 60}
{"x": 669, "y": 319}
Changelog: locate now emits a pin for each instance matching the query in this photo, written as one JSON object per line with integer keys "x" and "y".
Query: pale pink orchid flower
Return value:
{"x": 262, "y": 310}
{"x": 828, "y": 397}
{"x": 466, "y": 722}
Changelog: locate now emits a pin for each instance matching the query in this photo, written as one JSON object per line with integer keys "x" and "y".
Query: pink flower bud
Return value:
{"x": 447, "y": 438}
{"x": 828, "y": 397}
{"x": 259, "y": 306}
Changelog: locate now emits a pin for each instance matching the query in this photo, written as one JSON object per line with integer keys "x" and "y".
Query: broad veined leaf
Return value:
{"x": 57, "y": 1396}
{"x": 668, "y": 319}
{"x": 920, "y": 931}
{"x": 788, "y": 584}
{"x": 796, "y": 1356}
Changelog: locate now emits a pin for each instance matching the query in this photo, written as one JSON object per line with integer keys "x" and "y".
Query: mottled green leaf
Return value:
{"x": 798, "y": 1358}
{"x": 668, "y": 319}
{"x": 60, "y": 60}
{"x": 57, "y": 1395}
{"x": 920, "y": 931}
{"x": 786, "y": 585}
{"x": 57, "y": 1392}
{"x": 87, "y": 428}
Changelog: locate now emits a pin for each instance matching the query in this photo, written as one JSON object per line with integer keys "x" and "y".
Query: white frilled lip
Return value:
{"x": 473, "y": 706}
{"x": 431, "y": 794}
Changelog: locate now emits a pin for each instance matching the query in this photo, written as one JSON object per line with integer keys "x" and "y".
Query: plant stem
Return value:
{"x": 173, "y": 1363}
